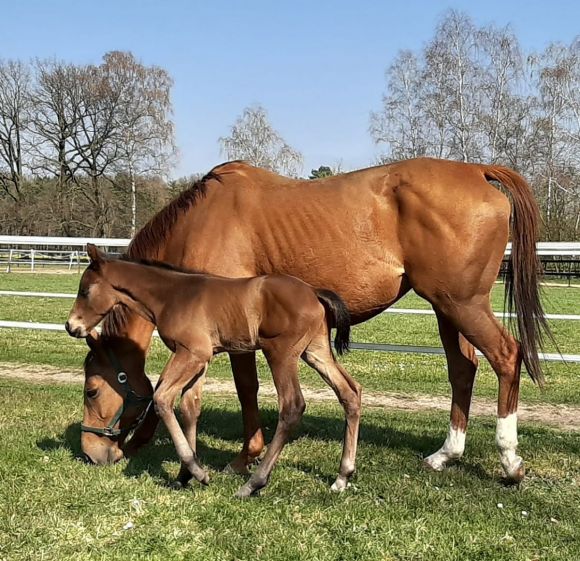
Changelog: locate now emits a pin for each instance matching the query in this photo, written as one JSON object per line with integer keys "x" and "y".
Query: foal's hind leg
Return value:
{"x": 462, "y": 366}
{"x": 319, "y": 356}
{"x": 291, "y": 408}
{"x": 477, "y": 322}
{"x": 190, "y": 409}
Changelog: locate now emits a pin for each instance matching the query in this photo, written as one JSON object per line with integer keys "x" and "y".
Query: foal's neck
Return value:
{"x": 142, "y": 288}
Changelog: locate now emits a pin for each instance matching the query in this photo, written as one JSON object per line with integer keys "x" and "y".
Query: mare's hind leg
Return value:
{"x": 246, "y": 380}
{"x": 291, "y": 408}
{"x": 476, "y": 321}
{"x": 319, "y": 356}
{"x": 462, "y": 366}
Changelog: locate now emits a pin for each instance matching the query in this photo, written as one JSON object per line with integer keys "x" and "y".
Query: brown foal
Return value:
{"x": 199, "y": 315}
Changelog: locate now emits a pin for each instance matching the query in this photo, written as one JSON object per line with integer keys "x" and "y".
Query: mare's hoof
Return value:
{"x": 433, "y": 464}
{"x": 516, "y": 473}
{"x": 237, "y": 469}
{"x": 177, "y": 485}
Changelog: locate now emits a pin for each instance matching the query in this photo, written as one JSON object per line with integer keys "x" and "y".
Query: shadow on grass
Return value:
{"x": 71, "y": 440}
{"x": 217, "y": 423}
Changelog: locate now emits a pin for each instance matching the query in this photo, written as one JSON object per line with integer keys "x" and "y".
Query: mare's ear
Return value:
{"x": 93, "y": 341}
{"x": 95, "y": 254}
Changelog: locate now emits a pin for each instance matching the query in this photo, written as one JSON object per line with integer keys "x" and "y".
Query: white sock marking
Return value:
{"x": 452, "y": 449}
{"x": 507, "y": 442}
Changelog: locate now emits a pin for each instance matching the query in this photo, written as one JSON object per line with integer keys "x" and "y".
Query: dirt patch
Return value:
{"x": 560, "y": 416}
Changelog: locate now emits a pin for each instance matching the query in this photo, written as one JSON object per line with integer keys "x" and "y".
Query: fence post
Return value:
{"x": 9, "y": 269}
{"x": 32, "y": 259}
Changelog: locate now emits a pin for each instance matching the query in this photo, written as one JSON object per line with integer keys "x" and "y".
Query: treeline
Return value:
{"x": 473, "y": 94}
{"x": 75, "y": 142}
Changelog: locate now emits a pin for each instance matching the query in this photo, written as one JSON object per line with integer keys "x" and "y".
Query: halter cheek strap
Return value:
{"x": 129, "y": 398}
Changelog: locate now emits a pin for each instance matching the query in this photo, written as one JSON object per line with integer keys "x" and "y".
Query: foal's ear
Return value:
{"x": 95, "y": 254}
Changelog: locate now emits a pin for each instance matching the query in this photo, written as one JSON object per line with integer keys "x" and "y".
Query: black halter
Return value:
{"x": 129, "y": 398}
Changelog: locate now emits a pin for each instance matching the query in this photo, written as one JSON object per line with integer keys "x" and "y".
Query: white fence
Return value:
{"x": 36, "y": 252}
{"x": 77, "y": 247}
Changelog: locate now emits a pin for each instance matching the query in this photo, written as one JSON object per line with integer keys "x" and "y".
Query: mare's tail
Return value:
{"x": 338, "y": 312}
{"x": 524, "y": 269}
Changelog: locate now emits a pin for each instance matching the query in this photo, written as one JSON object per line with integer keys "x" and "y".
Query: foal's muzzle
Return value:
{"x": 77, "y": 332}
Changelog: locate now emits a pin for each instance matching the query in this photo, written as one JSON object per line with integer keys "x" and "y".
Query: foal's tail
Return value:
{"x": 338, "y": 312}
{"x": 522, "y": 290}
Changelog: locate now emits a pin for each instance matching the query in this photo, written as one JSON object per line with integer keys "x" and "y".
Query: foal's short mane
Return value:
{"x": 163, "y": 265}
{"x": 147, "y": 242}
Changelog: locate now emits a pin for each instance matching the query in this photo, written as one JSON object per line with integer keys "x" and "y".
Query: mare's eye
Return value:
{"x": 83, "y": 292}
{"x": 92, "y": 393}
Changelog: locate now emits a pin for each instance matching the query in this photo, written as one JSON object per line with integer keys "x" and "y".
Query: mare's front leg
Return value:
{"x": 246, "y": 380}
{"x": 176, "y": 375}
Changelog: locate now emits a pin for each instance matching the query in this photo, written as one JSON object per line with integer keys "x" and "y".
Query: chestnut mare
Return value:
{"x": 199, "y": 315}
{"x": 438, "y": 227}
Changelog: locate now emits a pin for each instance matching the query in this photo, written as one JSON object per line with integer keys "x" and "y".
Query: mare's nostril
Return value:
{"x": 67, "y": 327}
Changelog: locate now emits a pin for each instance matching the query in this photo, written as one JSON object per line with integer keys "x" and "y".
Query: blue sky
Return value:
{"x": 317, "y": 67}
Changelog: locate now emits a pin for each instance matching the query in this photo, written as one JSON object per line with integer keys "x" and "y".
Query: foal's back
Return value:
{"x": 240, "y": 314}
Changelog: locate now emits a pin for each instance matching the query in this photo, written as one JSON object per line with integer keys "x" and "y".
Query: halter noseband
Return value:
{"x": 129, "y": 398}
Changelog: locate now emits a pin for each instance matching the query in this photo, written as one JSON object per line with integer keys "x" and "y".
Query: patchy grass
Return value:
{"x": 54, "y": 507}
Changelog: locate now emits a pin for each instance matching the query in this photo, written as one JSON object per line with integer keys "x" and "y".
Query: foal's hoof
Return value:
{"x": 246, "y": 491}
{"x": 516, "y": 472}
{"x": 339, "y": 485}
{"x": 203, "y": 478}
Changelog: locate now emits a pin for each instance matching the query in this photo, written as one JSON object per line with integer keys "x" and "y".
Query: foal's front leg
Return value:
{"x": 176, "y": 375}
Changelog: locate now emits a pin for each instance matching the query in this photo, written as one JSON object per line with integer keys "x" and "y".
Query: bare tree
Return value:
{"x": 15, "y": 108}
{"x": 253, "y": 139}
{"x": 499, "y": 112}
{"x": 145, "y": 132}
{"x": 401, "y": 123}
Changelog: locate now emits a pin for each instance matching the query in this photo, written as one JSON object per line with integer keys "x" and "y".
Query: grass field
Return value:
{"x": 53, "y": 506}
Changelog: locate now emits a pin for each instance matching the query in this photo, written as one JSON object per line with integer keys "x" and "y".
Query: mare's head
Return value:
{"x": 95, "y": 298}
{"x": 117, "y": 393}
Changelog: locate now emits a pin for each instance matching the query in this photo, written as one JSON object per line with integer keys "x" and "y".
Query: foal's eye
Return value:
{"x": 83, "y": 292}
{"x": 92, "y": 393}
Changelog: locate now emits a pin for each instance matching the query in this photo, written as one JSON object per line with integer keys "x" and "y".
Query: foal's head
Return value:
{"x": 96, "y": 296}
{"x": 117, "y": 392}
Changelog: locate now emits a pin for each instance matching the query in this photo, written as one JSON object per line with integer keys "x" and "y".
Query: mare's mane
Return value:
{"x": 147, "y": 242}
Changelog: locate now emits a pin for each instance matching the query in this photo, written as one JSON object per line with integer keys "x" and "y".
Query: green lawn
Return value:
{"x": 54, "y": 507}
